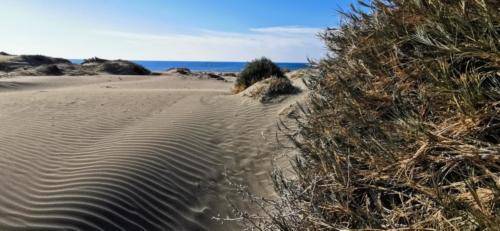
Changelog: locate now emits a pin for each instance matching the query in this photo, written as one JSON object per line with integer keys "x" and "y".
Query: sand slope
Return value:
{"x": 126, "y": 153}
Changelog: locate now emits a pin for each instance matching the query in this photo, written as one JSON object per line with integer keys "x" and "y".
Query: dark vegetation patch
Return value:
{"x": 121, "y": 67}
{"x": 39, "y": 65}
{"x": 38, "y": 60}
{"x": 24, "y": 62}
{"x": 94, "y": 60}
{"x": 256, "y": 71}
{"x": 277, "y": 87}
{"x": 114, "y": 67}
{"x": 50, "y": 69}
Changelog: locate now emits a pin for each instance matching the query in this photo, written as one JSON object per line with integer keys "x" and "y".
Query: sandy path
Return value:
{"x": 125, "y": 153}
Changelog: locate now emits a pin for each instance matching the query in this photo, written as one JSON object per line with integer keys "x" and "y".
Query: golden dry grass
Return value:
{"x": 403, "y": 131}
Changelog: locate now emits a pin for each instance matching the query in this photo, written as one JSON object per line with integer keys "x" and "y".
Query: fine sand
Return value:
{"x": 128, "y": 153}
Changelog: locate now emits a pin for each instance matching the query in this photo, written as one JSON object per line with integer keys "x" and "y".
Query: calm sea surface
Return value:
{"x": 203, "y": 66}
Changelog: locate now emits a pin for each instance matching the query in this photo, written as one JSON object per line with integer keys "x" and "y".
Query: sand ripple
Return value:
{"x": 134, "y": 156}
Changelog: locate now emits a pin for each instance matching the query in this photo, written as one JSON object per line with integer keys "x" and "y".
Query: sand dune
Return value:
{"x": 126, "y": 153}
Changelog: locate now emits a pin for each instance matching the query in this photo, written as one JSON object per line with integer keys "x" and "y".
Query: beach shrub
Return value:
{"x": 403, "y": 127}
{"x": 38, "y": 60}
{"x": 280, "y": 86}
{"x": 123, "y": 67}
{"x": 114, "y": 67}
{"x": 268, "y": 90}
{"x": 94, "y": 60}
{"x": 50, "y": 69}
{"x": 256, "y": 71}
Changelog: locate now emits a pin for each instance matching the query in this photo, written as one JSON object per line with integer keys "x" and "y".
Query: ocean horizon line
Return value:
{"x": 198, "y": 66}
{"x": 195, "y": 61}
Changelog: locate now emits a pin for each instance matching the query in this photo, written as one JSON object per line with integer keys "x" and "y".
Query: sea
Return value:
{"x": 204, "y": 66}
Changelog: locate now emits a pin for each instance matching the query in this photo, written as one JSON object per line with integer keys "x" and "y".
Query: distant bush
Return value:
{"x": 280, "y": 86}
{"x": 114, "y": 67}
{"x": 49, "y": 70}
{"x": 94, "y": 60}
{"x": 38, "y": 60}
{"x": 122, "y": 67}
{"x": 256, "y": 71}
{"x": 403, "y": 129}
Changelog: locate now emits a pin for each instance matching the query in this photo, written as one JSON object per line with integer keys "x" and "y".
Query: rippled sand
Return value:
{"x": 126, "y": 153}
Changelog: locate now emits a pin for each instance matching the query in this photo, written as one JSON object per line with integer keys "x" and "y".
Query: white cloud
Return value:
{"x": 282, "y": 44}
{"x": 289, "y": 44}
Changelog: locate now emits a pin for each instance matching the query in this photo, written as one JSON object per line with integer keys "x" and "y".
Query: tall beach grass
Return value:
{"x": 403, "y": 128}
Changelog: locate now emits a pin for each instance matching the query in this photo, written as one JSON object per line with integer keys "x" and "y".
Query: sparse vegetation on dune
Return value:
{"x": 114, "y": 67}
{"x": 39, "y": 65}
{"x": 403, "y": 129}
{"x": 280, "y": 86}
{"x": 94, "y": 60}
{"x": 256, "y": 71}
{"x": 270, "y": 90}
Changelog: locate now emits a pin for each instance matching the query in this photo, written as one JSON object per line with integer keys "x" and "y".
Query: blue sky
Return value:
{"x": 202, "y": 30}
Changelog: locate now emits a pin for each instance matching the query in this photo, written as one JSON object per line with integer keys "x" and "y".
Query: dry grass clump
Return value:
{"x": 256, "y": 71}
{"x": 280, "y": 86}
{"x": 270, "y": 89}
{"x": 403, "y": 131}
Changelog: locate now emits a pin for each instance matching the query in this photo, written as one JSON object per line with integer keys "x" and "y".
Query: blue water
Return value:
{"x": 203, "y": 66}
